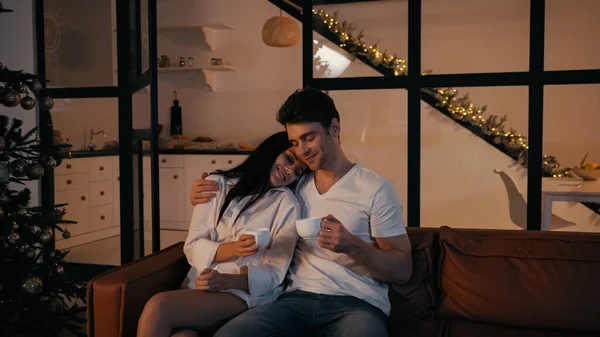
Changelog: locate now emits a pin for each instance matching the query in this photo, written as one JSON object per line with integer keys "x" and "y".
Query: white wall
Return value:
{"x": 17, "y": 51}
{"x": 458, "y": 186}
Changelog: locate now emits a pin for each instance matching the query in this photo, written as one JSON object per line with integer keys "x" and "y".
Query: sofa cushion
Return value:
{"x": 416, "y": 299}
{"x": 525, "y": 279}
{"x": 460, "y": 328}
{"x": 423, "y": 328}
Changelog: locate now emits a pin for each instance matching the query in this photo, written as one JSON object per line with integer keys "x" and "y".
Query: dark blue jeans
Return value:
{"x": 301, "y": 313}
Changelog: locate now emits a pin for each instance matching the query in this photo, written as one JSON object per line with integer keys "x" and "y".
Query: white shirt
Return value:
{"x": 368, "y": 206}
{"x": 277, "y": 209}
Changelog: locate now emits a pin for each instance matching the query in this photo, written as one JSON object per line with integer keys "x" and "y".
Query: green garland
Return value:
{"x": 458, "y": 107}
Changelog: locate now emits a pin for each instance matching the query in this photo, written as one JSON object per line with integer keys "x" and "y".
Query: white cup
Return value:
{"x": 308, "y": 228}
{"x": 261, "y": 235}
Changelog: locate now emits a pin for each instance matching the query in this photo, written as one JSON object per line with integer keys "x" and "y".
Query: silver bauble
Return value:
{"x": 45, "y": 237}
{"x": 32, "y": 285}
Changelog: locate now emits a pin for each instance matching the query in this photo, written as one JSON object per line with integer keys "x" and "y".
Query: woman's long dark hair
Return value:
{"x": 254, "y": 172}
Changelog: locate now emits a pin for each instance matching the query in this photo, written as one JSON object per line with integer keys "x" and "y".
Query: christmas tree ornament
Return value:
{"x": 15, "y": 226}
{"x": 17, "y": 168}
{"x": 46, "y": 103}
{"x": 22, "y": 88}
{"x": 4, "y": 173}
{"x": 59, "y": 270}
{"x": 45, "y": 237}
{"x": 32, "y": 285}
{"x": 17, "y": 100}
{"x": 2, "y": 143}
{"x": 34, "y": 171}
{"x": 35, "y": 229}
{"x": 50, "y": 159}
{"x": 58, "y": 214}
{"x": 22, "y": 211}
{"x": 56, "y": 305}
{"x": 66, "y": 234}
{"x": 9, "y": 98}
{"x": 35, "y": 86}
{"x": 13, "y": 237}
{"x": 28, "y": 103}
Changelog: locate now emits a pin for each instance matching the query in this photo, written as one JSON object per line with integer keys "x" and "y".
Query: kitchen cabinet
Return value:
{"x": 86, "y": 186}
{"x": 90, "y": 186}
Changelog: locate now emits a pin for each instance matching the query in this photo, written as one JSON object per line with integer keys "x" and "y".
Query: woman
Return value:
{"x": 229, "y": 274}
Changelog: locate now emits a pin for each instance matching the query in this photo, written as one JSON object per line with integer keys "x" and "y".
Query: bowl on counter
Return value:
{"x": 587, "y": 174}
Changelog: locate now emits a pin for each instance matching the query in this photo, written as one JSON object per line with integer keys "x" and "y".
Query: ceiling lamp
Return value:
{"x": 281, "y": 31}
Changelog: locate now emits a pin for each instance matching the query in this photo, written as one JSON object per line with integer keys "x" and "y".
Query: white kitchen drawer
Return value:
{"x": 101, "y": 193}
{"x": 116, "y": 192}
{"x": 231, "y": 161}
{"x": 101, "y": 217}
{"x": 71, "y": 182}
{"x": 70, "y": 166}
{"x": 170, "y": 160}
{"x": 194, "y": 166}
{"x": 100, "y": 168}
{"x": 76, "y": 210}
{"x": 173, "y": 194}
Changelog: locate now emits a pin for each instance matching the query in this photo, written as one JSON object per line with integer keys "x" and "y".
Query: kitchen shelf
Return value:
{"x": 208, "y": 71}
{"x": 189, "y": 69}
{"x": 213, "y": 26}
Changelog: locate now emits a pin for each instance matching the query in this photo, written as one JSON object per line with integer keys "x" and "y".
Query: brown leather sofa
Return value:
{"x": 465, "y": 283}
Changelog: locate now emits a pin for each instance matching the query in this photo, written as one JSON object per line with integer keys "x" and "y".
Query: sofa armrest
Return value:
{"x": 117, "y": 297}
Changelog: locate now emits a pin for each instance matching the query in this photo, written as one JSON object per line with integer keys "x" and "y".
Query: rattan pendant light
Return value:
{"x": 280, "y": 31}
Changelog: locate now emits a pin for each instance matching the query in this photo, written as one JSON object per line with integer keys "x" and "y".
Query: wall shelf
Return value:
{"x": 213, "y": 26}
{"x": 189, "y": 69}
{"x": 209, "y": 72}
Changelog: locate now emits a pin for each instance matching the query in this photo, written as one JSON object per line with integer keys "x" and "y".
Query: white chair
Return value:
{"x": 517, "y": 205}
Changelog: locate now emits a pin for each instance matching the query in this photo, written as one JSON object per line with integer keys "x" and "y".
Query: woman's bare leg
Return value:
{"x": 187, "y": 309}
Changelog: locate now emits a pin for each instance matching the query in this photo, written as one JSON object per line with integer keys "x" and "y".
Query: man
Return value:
{"x": 337, "y": 284}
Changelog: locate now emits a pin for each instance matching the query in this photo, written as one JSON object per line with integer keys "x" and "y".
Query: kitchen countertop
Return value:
{"x": 115, "y": 152}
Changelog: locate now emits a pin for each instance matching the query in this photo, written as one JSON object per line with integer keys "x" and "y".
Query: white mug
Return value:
{"x": 308, "y": 228}
{"x": 261, "y": 235}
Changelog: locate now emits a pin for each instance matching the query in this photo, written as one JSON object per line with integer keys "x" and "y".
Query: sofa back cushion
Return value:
{"x": 526, "y": 279}
{"x": 416, "y": 300}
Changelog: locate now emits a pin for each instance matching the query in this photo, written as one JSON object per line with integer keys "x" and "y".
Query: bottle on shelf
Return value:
{"x": 176, "y": 118}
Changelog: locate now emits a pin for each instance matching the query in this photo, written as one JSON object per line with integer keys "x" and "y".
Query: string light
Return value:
{"x": 459, "y": 108}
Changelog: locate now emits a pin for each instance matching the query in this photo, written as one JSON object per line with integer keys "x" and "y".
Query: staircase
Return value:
{"x": 445, "y": 100}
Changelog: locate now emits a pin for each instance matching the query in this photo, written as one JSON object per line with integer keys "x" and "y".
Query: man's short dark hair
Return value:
{"x": 308, "y": 105}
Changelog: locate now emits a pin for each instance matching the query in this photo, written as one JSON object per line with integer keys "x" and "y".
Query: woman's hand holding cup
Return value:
{"x": 245, "y": 245}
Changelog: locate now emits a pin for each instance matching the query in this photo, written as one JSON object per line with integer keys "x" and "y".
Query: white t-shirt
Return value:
{"x": 368, "y": 207}
{"x": 277, "y": 209}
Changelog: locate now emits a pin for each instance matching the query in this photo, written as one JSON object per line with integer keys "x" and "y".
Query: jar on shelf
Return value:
{"x": 190, "y": 61}
{"x": 182, "y": 61}
{"x": 164, "y": 62}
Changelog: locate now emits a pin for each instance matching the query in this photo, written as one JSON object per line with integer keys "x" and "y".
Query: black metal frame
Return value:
{"x": 130, "y": 81}
{"x": 536, "y": 78}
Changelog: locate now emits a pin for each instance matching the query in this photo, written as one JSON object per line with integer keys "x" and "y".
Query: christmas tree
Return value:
{"x": 36, "y": 296}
